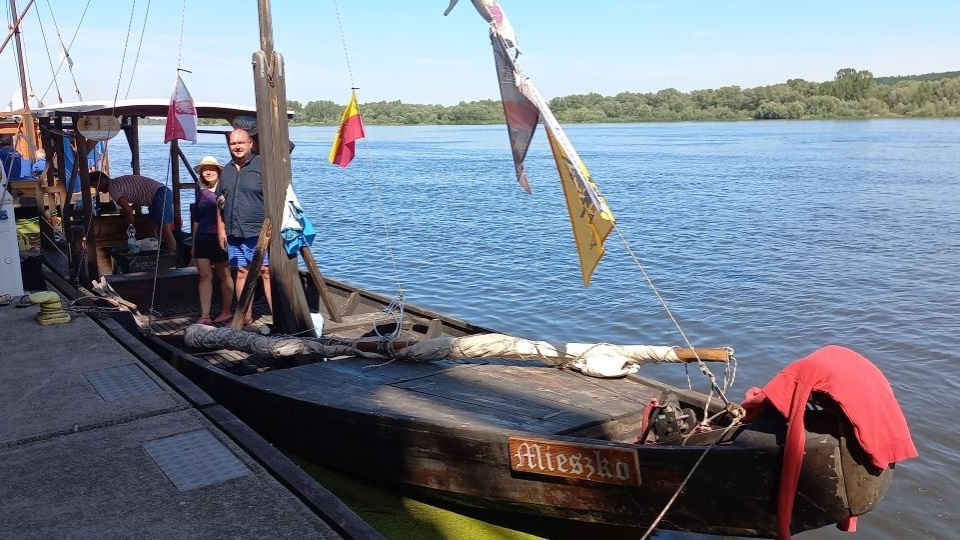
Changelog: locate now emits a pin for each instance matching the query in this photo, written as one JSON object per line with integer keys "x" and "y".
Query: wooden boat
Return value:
{"x": 514, "y": 435}
{"x": 499, "y": 430}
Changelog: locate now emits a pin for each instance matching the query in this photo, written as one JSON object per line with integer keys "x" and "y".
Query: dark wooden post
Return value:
{"x": 174, "y": 186}
{"x": 92, "y": 270}
{"x": 133, "y": 140}
{"x": 291, "y": 314}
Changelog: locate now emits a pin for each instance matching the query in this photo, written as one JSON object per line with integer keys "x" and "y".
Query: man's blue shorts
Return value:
{"x": 240, "y": 251}
{"x": 161, "y": 209}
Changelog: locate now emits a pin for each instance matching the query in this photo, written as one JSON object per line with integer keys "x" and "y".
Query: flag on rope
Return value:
{"x": 351, "y": 129}
{"x": 181, "y": 116}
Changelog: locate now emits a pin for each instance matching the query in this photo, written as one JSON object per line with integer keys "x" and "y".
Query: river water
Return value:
{"x": 775, "y": 238}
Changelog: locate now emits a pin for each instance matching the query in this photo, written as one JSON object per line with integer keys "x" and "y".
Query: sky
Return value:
{"x": 408, "y": 51}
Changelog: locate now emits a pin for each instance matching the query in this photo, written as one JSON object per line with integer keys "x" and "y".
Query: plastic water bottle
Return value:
{"x": 132, "y": 245}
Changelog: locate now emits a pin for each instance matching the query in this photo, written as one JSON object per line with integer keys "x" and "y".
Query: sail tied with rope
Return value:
{"x": 601, "y": 360}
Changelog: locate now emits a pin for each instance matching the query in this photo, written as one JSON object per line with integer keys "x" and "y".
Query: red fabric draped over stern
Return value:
{"x": 862, "y": 393}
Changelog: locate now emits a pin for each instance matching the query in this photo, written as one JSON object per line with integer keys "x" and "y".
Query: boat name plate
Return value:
{"x": 591, "y": 462}
{"x": 98, "y": 127}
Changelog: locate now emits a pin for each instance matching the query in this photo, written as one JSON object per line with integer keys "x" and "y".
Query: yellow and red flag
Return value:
{"x": 351, "y": 129}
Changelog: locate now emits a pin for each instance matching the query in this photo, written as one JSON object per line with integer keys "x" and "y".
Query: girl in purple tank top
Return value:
{"x": 209, "y": 244}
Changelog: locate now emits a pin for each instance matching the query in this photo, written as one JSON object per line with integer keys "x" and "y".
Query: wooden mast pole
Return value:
{"x": 291, "y": 314}
{"x": 30, "y": 130}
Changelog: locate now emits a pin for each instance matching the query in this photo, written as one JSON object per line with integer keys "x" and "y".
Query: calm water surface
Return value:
{"x": 775, "y": 238}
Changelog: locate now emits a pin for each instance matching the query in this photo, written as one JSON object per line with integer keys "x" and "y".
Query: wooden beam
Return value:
{"x": 253, "y": 275}
{"x": 321, "y": 285}
{"x": 707, "y": 354}
{"x": 291, "y": 313}
{"x": 353, "y": 300}
{"x": 30, "y": 129}
{"x": 15, "y": 29}
{"x": 132, "y": 131}
{"x": 174, "y": 187}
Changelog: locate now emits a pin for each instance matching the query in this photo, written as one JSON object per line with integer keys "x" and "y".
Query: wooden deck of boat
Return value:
{"x": 504, "y": 395}
{"x": 497, "y": 395}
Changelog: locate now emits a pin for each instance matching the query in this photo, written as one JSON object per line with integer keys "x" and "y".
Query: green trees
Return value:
{"x": 851, "y": 94}
{"x": 850, "y": 85}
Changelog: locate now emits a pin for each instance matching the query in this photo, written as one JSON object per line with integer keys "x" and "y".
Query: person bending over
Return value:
{"x": 134, "y": 190}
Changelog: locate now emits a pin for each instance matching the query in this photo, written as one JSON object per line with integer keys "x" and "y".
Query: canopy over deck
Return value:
{"x": 143, "y": 108}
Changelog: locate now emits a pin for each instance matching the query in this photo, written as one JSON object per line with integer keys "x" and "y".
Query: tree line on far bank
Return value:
{"x": 851, "y": 94}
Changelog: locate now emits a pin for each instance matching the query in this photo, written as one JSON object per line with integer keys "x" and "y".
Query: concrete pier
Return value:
{"x": 101, "y": 438}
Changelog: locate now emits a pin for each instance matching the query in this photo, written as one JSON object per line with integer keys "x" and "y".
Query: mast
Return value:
{"x": 291, "y": 315}
{"x": 30, "y": 132}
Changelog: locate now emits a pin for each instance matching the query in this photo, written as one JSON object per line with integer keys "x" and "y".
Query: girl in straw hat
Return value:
{"x": 210, "y": 243}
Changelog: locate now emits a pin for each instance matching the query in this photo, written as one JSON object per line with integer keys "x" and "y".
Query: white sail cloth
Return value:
{"x": 593, "y": 359}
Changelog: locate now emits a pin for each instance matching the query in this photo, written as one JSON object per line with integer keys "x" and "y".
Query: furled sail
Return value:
{"x": 593, "y": 359}
{"x": 524, "y": 107}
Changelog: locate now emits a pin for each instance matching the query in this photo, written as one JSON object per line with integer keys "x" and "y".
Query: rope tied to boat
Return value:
{"x": 680, "y": 488}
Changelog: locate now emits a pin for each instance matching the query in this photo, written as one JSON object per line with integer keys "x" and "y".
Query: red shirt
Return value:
{"x": 862, "y": 393}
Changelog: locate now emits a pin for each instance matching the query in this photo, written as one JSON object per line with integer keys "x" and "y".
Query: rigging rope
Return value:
{"x": 156, "y": 261}
{"x": 169, "y": 174}
{"x": 66, "y": 49}
{"x": 183, "y": 14}
{"x": 123, "y": 57}
{"x": 343, "y": 43}
{"x": 136, "y": 59}
{"x": 371, "y": 174}
{"x": 714, "y": 387}
{"x": 83, "y": 159}
{"x": 53, "y": 71}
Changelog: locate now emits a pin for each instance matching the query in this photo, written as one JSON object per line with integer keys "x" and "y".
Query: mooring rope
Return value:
{"x": 683, "y": 484}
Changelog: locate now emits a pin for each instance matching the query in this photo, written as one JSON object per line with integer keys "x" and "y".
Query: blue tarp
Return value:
{"x": 93, "y": 160}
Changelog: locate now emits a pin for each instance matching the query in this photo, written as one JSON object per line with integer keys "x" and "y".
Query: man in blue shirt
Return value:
{"x": 241, "y": 185}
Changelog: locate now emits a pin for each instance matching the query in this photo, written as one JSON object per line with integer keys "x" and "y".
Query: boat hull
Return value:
{"x": 465, "y": 458}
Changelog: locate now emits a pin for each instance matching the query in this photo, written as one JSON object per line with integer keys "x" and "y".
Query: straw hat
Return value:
{"x": 208, "y": 161}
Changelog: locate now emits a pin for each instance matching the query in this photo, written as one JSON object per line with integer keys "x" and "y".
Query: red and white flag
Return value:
{"x": 181, "y": 116}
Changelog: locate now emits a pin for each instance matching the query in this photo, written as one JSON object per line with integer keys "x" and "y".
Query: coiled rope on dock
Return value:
{"x": 51, "y": 308}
